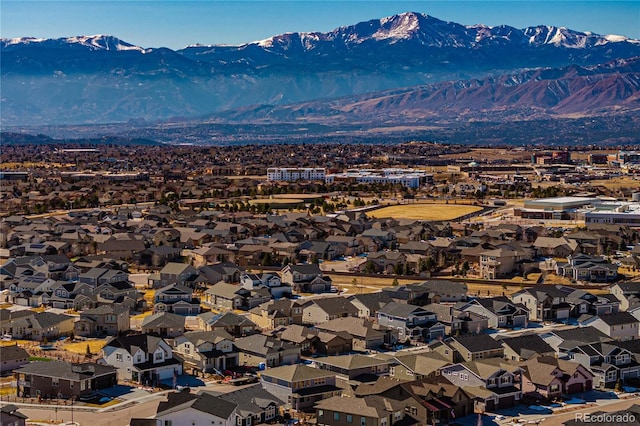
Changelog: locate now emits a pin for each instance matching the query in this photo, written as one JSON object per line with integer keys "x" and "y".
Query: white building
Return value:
{"x": 141, "y": 358}
{"x": 292, "y": 174}
{"x": 614, "y": 213}
{"x": 409, "y": 178}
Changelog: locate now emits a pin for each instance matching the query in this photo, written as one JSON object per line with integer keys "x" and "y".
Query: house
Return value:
{"x": 365, "y": 335}
{"x": 104, "y": 320}
{"x": 271, "y": 352}
{"x": 387, "y": 262}
{"x": 313, "y": 341}
{"x": 226, "y": 297}
{"x": 433, "y": 400}
{"x": 174, "y": 273}
{"x": 59, "y": 379}
{"x": 141, "y": 358}
{"x": 185, "y": 408}
{"x": 98, "y": 276}
{"x": 476, "y": 347}
{"x": 10, "y": 416}
{"x": 12, "y": 357}
{"x": 206, "y": 351}
{"x": 418, "y": 366}
{"x": 524, "y": 347}
{"x": 628, "y": 293}
{"x": 556, "y": 247}
{"x": 582, "y": 302}
{"x": 608, "y": 362}
{"x": 432, "y": 291}
{"x": 306, "y": 278}
{"x": 232, "y": 323}
{"x": 617, "y": 325}
{"x": 550, "y": 377}
{"x": 269, "y": 280}
{"x": 272, "y": 314}
{"x": 39, "y": 326}
{"x": 177, "y": 299}
{"x": 255, "y": 405}
{"x": 368, "y": 304}
{"x": 327, "y": 308}
{"x": 300, "y": 386}
{"x": 582, "y": 267}
{"x": 163, "y": 324}
{"x": 502, "y": 262}
{"x": 412, "y": 322}
{"x": 499, "y": 311}
{"x": 367, "y": 411}
{"x": 544, "y": 302}
{"x": 355, "y": 367}
{"x": 491, "y": 382}
{"x": 564, "y": 340}
{"x": 458, "y": 322}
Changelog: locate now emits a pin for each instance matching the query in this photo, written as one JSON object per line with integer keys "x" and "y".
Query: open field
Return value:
{"x": 617, "y": 183}
{"x": 81, "y": 347}
{"x": 424, "y": 211}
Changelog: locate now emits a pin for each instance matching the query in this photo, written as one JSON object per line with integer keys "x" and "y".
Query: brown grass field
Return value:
{"x": 424, "y": 211}
{"x": 81, "y": 347}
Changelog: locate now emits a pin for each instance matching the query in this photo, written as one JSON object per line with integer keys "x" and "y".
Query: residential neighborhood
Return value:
{"x": 317, "y": 316}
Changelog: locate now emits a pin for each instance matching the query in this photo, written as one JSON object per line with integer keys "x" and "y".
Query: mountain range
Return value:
{"x": 404, "y": 67}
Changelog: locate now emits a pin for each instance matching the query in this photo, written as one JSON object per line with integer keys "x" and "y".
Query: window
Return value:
{"x": 168, "y": 423}
{"x": 55, "y": 381}
{"x": 119, "y": 357}
{"x": 554, "y": 388}
{"x": 383, "y": 422}
{"x": 363, "y": 421}
{"x": 349, "y": 418}
{"x": 158, "y": 356}
{"x": 336, "y": 416}
{"x": 320, "y": 413}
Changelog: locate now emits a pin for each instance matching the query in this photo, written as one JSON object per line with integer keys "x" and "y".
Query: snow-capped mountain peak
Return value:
{"x": 93, "y": 42}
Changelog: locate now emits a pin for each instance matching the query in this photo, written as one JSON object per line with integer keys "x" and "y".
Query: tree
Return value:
{"x": 395, "y": 282}
{"x": 88, "y": 352}
{"x": 370, "y": 267}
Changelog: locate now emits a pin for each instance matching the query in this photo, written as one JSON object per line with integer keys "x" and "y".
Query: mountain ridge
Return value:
{"x": 100, "y": 79}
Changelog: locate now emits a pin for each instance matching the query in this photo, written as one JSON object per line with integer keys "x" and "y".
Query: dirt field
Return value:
{"x": 424, "y": 211}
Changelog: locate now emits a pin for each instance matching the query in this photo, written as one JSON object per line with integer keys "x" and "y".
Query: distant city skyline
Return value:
{"x": 176, "y": 24}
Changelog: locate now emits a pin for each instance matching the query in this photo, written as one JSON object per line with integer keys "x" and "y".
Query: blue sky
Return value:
{"x": 175, "y": 24}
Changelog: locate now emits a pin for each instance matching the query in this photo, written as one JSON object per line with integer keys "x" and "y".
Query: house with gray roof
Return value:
{"x": 323, "y": 309}
{"x": 499, "y": 311}
{"x": 412, "y": 322}
{"x": 104, "y": 320}
{"x": 164, "y": 324}
{"x": 617, "y": 325}
{"x": 141, "y": 358}
{"x": 232, "y": 323}
{"x": 206, "y": 351}
{"x": 267, "y": 350}
{"x": 300, "y": 386}
{"x": 255, "y": 405}
{"x": 201, "y": 409}
{"x": 12, "y": 357}
{"x": 357, "y": 367}
{"x": 59, "y": 379}
{"x": 177, "y": 299}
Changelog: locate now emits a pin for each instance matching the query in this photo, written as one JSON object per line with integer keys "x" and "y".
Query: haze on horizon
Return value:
{"x": 176, "y": 24}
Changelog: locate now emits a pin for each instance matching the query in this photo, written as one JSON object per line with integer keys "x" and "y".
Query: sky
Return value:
{"x": 176, "y": 24}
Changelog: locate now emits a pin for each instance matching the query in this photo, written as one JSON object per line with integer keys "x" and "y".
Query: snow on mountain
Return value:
{"x": 94, "y": 42}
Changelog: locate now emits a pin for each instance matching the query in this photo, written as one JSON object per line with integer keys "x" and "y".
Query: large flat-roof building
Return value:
{"x": 409, "y": 178}
{"x": 292, "y": 174}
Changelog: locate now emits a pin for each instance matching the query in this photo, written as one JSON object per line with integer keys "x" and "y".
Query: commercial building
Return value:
{"x": 292, "y": 174}
{"x": 409, "y": 178}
